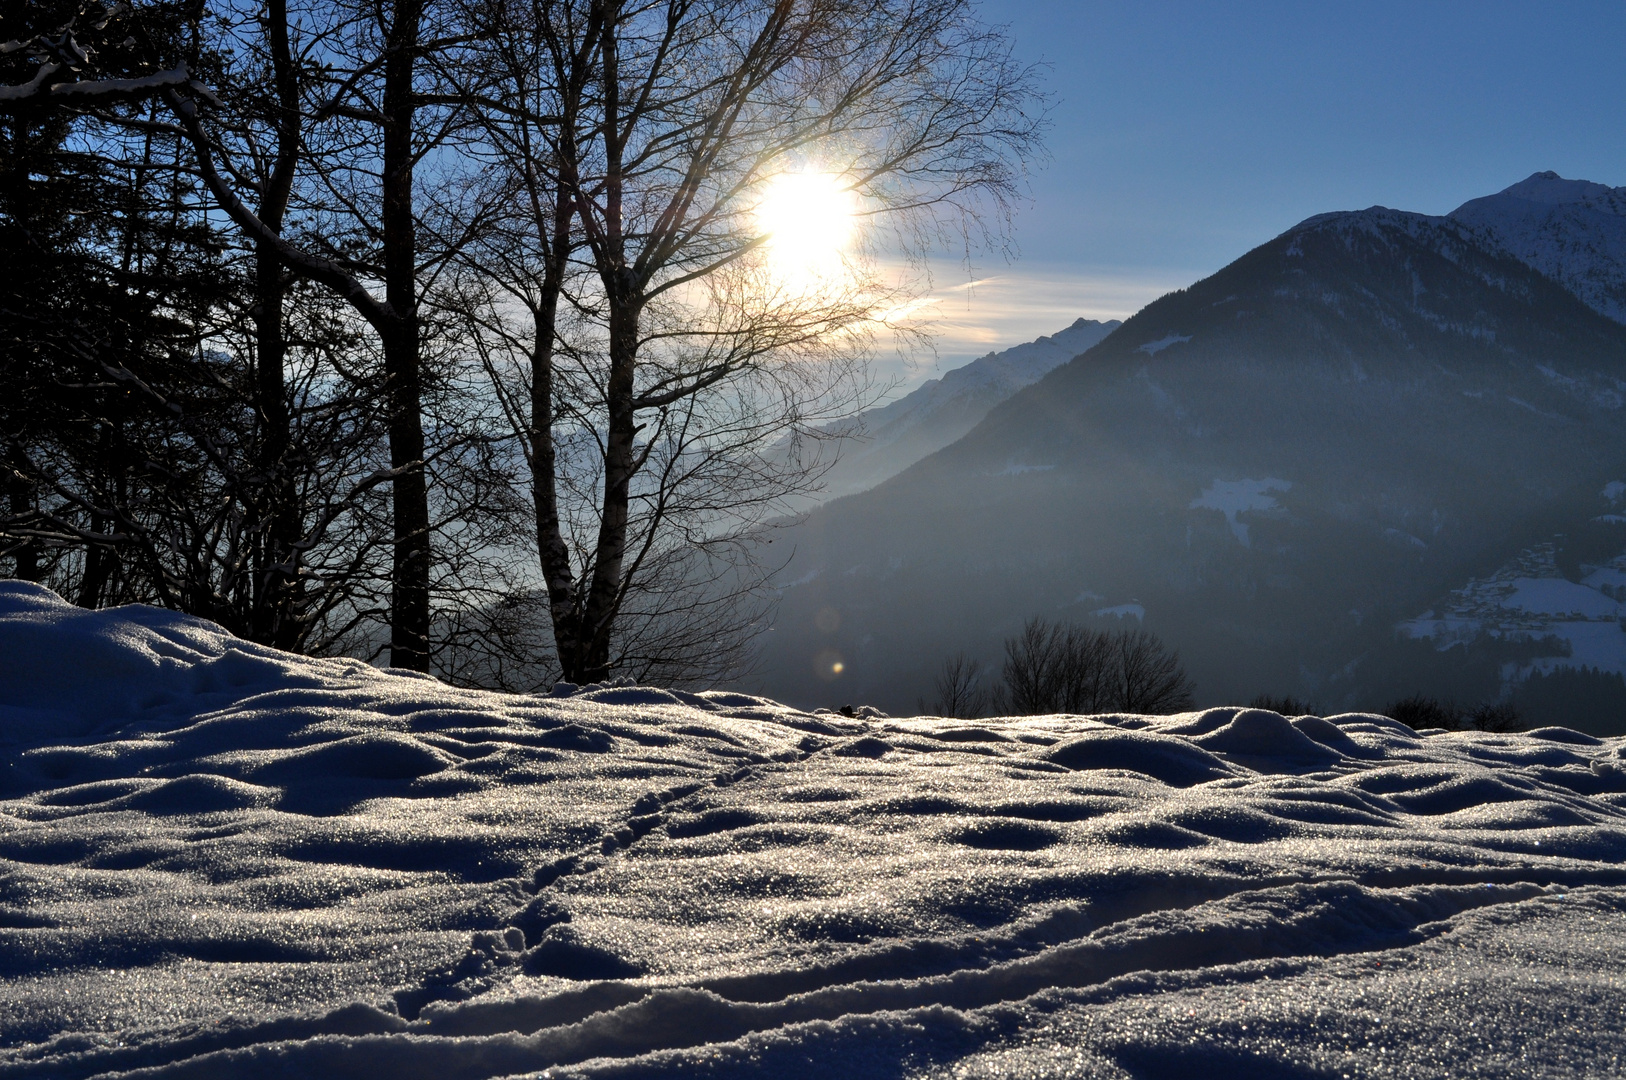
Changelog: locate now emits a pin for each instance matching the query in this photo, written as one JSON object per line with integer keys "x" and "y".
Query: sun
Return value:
{"x": 808, "y": 220}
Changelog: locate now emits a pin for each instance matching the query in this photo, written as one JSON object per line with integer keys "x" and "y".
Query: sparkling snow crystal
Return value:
{"x": 217, "y": 860}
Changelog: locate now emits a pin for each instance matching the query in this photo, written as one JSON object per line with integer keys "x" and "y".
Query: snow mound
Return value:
{"x": 217, "y": 860}
{"x": 75, "y": 670}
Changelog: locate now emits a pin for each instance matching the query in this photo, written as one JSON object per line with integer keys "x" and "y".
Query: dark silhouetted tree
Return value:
{"x": 961, "y": 690}
{"x": 1065, "y": 668}
{"x": 647, "y": 353}
{"x": 1422, "y": 713}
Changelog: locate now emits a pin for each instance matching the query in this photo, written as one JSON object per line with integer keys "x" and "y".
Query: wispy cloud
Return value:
{"x": 968, "y": 318}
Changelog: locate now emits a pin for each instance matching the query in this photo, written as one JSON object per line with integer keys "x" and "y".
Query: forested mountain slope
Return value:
{"x": 1272, "y": 468}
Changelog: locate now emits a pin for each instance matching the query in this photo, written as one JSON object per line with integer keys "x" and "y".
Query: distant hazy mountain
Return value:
{"x": 1574, "y": 231}
{"x": 882, "y": 442}
{"x": 1272, "y": 469}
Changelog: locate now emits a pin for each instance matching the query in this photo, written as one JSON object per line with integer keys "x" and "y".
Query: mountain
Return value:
{"x": 1271, "y": 470}
{"x": 882, "y": 442}
{"x": 1574, "y": 231}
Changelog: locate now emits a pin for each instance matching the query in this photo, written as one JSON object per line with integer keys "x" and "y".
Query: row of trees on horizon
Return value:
{"x": 1063, "y": 667}
{"x": 1059, "y": 667}
{"x": 443, "y": 328}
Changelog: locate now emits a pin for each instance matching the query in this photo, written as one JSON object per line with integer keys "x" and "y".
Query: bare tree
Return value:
{"x": 1033, "y": 668}
{"x": 1421, "y": 713}
{"x": 1148, "y": 677}
{"x": 960, "y": 690}
{"x": 1060, "y": 668}
{"x": 645, "y": 347}
{"x": 248, "y": 489}
{"x": 1065, "y": 668}
{"x": 610, "y": 271}
{"x": 351, "y": 91}
{"x": 370, "y": 94}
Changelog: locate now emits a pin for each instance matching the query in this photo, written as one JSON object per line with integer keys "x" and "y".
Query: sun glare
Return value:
{"x": 808, "y": 219}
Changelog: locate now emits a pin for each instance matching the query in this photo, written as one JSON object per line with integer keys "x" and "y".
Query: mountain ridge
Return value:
{"x": 1421, "y": 403}
{"x": 881, "y": 442}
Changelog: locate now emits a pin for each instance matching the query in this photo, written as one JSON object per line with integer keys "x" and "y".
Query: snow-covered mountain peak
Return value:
{"x": 1552, "y": 189}
{"x": 1035, "y": 358}
{"x": 1573, "y": 231}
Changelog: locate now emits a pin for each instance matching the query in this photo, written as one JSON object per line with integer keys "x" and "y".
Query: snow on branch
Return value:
{"x": 33, "y": 88}
{"x": 68, "y": 70}
{"x": 141, "y": 87}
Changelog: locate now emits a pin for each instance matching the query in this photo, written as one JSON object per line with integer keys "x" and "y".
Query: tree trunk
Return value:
{"x": 98, "y": 559}
{"x": 275, "y": 619}
{"x": 273, "y": 616}
{"x": 26, "y": 558}
{"x": 563, "y": 605}
{"x": 623, "y": 296}
{"x": 409, "y": 623}
{"x": 604, "y": 593}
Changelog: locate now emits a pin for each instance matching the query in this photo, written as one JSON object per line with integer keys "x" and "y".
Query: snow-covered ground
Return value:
{"x": 220, "y": 861}
{"x": 1232, "y": 497}
{"x": 1529, "y": 599}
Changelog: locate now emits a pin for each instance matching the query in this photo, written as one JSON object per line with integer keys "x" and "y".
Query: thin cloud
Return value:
{"x": 970, "y": 318}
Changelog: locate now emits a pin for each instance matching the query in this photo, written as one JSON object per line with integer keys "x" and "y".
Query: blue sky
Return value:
{"x": 1186, "y": 133}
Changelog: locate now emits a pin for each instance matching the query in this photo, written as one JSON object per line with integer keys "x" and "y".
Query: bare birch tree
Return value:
{"x": 614, "y": 274}
{"x": 656, "y": 351}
